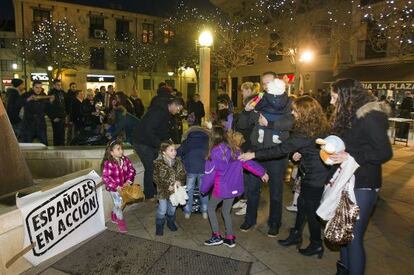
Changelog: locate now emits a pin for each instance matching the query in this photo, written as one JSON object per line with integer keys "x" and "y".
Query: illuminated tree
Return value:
{"x": 54, "y": 43}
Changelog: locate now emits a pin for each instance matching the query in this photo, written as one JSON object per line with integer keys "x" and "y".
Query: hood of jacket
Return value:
{"x": 373, "y": 106}
{"x": 196, "y": 131}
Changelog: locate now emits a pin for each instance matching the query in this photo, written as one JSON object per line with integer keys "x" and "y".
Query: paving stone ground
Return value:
{"x": 389, "y": 240}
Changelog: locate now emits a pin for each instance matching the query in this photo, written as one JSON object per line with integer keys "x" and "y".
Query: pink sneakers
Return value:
{"x": 122, "y": 226}
{"x": 114, "y": 219}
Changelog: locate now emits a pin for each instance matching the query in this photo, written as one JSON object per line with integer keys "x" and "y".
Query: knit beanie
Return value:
{"x": 16, "y": 82}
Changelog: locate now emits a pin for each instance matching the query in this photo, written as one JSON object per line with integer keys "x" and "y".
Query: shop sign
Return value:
{"x": 7, "y": 81}
{"x": 388, "y": 85}
{"x": 100, "y": 78}
{"x": 39, "y": 76}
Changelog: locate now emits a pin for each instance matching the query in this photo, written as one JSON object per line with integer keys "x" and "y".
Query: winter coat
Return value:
{"x": 198, "y": 109}
{"x": 166, "y": 175}
{"x": 368, "y": 142}
{"x": 14, "y": 105}
{"x": 247, "y": 120}
{"x": 57, "y": 108}
{"x": 35, "y": 110}
{"x": 193, "y": 151}
{"x": 274, "y": 104}
{"x": 115, "y": 174}
{"x": 154, "y": 127}
{"x": 124, "y": 122}
{"x": 406, "y": 107}
{"x": 76, "y": 115}
{"x": 88, "y": 118}
{"x": 245, "y": 131}
{"x": 217, "y": 167}
{"x": 313, "y": 171}
{"x": 70, "y": 97}
{"x": 139, "y": 108}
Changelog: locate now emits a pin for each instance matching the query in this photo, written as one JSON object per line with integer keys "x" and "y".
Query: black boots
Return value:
{"x": 312, "y": 249}
{"x": 159, "y": 227}
{"x": 171, "y": 223}
{"x": 295, "y": 237}
{"x": 341, "y": 269}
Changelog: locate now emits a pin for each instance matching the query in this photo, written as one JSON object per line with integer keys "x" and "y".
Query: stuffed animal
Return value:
{"x": 179, "y": 197}
{"x": 330, "y": 145}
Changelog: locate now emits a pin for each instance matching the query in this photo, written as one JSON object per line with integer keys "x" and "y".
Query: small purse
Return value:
{"x": 339, "y": 230}
{"x": 130, "y": 193}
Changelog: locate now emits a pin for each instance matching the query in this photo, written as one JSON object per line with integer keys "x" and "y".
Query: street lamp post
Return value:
{"x": 205, "y": 40}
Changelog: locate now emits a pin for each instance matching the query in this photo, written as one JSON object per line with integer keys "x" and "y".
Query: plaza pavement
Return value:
{"x": 389, "y": 240}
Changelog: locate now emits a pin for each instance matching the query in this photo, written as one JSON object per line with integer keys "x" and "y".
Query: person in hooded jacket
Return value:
{"x": 362, "y": 123}
{"x": 193, "y": 152}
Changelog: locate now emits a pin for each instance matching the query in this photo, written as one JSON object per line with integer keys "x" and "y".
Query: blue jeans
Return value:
{"x": 353, "y": 254}
{"x": 191, "y": 184}
{"x": 165, "y": 207}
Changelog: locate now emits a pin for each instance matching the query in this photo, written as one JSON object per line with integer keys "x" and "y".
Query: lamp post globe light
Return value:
{"x": 205, "y": 40}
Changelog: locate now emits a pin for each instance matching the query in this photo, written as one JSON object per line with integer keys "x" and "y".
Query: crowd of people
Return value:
{"x": 76, "y": 117}
{"x": 232, "y": 154}
{"x": 226, "y": 156}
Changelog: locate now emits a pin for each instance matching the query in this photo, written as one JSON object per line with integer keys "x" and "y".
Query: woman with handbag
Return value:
{"x": 310, "y": 124}
{"x": 117, "y": 171}
{"x": 362, "y": 123}
{"x": 169, "y": 174}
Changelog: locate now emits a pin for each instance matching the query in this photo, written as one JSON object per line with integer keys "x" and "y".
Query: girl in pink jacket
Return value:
{"x": 117, "y": 170}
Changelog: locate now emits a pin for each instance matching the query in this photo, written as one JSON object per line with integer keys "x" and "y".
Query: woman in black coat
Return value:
{"x": 362, "y": 123}
{"x": 310, "y": 124}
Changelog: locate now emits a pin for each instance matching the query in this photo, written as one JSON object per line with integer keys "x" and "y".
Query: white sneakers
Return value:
{"x": 242, "y": 211}
{"x": 239, "y": 204}
{"x": 292, "y": 208}
{"x": 205, "y": 216}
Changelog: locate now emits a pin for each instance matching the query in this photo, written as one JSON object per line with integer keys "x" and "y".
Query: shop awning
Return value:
{"x": 396, "y": 72}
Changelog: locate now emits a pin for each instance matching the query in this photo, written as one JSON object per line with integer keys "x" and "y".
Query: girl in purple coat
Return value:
{"x": 224, "y": 174}
{"x": 117, "y": 170}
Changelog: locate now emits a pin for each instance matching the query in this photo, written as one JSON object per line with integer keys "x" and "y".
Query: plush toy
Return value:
{"x": 330, "y": 145}
{"x": 179, "y": 197}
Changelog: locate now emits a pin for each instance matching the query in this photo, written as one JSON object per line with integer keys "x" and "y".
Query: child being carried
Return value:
{"x": 273, "y": 105}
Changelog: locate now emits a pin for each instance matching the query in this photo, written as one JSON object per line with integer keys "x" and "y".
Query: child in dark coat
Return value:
{"x": 193, "y": 153}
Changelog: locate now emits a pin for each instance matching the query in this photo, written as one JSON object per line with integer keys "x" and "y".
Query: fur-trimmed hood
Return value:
{"x": 373, "y": 106}
{"x": 193, "y": 129}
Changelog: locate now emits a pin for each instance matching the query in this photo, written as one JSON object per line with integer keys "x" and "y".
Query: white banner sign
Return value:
{"x": 62, "y": 217}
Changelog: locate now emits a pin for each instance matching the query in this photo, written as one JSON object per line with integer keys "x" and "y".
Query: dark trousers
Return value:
{"x": 147, "y": 155}
{"x": 35, "y": 129}
{"x": 308, "y": 202}
{"x": 58, "y": 133}
{"x": 353, "y": 254}
{"x": 276, "y": 169}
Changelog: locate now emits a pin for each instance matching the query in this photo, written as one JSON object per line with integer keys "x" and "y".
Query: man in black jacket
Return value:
{"x": 154, "y": 128}
{"x": 14, "y": 104}
{"x": 34, "y": 123}
{"x": 275, "y": 167}
{"x": 57, "y": 113}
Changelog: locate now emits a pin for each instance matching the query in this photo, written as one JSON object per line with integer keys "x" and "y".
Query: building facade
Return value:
{"x": 94, "y": 24}
{"x": 354, "y": 56}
